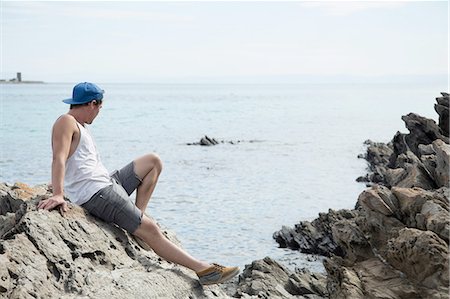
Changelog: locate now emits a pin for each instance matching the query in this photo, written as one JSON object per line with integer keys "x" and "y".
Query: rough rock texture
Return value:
{"x": 396, "y": 242}
{"x": 395, "y": 245}
{"x": 45, "y": 255}
{"x": 417, "y": 159}
{"x": 267, "y": 279}
{"x": 442, "y": 108}
{"x": 313, "y": 237}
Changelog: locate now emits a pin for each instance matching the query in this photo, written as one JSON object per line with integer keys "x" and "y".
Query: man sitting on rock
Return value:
{"x": 77, "y": 170}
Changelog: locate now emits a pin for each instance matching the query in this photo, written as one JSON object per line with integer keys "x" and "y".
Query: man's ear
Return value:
{"x": 93, "y": 103}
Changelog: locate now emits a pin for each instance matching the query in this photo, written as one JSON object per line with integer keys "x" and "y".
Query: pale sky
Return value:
{"x": 187, "y": 41}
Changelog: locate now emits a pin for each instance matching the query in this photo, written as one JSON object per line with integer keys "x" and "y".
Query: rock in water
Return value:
{"x": 45, "y": 255}
{"x": 268, "y": 279}
{"x": 396, "y": 242}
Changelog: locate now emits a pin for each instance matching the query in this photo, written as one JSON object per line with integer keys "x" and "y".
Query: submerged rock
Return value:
{"x": 209, "y": 141}
{"x": 45, "y": 255}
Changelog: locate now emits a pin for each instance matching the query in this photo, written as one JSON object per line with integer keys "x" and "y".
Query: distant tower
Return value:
{"x": 19, "y": 77}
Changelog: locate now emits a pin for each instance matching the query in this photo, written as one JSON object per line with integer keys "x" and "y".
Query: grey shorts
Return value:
{"x": 113, "y": 203}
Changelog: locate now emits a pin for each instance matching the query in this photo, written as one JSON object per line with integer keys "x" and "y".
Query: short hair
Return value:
{"x": 97, "y": 102}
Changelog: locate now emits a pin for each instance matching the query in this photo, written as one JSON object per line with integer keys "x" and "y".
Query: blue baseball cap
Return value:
{"x": 84, "y": 93}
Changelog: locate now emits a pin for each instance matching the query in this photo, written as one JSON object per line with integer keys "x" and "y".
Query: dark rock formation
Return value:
{"x": 208, "y": 141}
{"x": 314, "y": 237}
{"x": 395, "y": 243}
{"x": 205, "y": 141}
{"x": 442, "y": 108}
{"x": 45, "y": 255}
{"x": 416, "y": 159}
{"x": 267, "y": 279}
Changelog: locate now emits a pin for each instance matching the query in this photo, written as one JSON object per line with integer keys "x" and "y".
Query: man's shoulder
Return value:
{"x": 66, "y": 121}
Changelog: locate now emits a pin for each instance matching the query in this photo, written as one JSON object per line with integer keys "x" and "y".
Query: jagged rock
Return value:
{"x": 378, "y": 153}
{"x": 403, "y": 230}
{"x": 268, "y": 279}
{"x": 426, "y": 149}
{"x": 314, "y": 237}
{"x": 416, "y": 176}
{"x": 422, "y": 256}
{"x": 45, "y": 255}
{"x": 413, "y": 152}
{"x": 379, "y": 217}
{"x": 441, "y": 173}
{"x": 422, "y": 131}
{"x": 376, "y": 234}
{"x": 424, "y": 210}
{"x": 367, "y": 279}
{"x": 208, "y": 141}
{"x": 442, "y": 108}
{"x": 396, "y": 245}
{"x": 351, "y": 239}
{"x": 342, "y": 282}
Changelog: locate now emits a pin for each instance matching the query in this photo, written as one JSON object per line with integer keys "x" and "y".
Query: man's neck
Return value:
{"x": 78, "y": 116}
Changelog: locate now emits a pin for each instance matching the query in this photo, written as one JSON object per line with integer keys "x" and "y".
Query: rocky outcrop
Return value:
{"x": 442, "y": 108}
{"x": 45, "y": 255}
{"x": 314, "y": 237}
{"x": 206, "y": 141}
{"x": 416, "y": 159}
{"x": 268, "y": 279}
{"x": 395, "y": 243}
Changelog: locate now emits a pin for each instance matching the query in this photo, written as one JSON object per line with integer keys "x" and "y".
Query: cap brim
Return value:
{"x": 68, "y": 101}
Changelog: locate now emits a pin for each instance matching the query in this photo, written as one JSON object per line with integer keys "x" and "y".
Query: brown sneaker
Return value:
{"x": 217, "y": 274}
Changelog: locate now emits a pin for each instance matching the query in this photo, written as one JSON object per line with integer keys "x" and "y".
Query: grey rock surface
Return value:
{"x": 268, "y": 279}
{"x": 45, "y": 255}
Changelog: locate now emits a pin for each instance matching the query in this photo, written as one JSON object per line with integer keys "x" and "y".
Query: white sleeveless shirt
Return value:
{"x": 85, "y": 174}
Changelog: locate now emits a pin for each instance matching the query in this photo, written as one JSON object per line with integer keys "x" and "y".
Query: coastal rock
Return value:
{"x": 396, "y": 234}
{"x": 442, "y": 108}
{"x": 425, "y": 210}
{"x": 45, "y": 255}
{"x": 367, "y": 279}
{"x": 208, "y": 141}
{"x": 396, "y": 244}
{"x": 314, "y": 237}
{"x": 441, "y": 172}
{"x": 422, "y": 256}
{"x": 422, "y": 131}
{"x": 268, "y": 279}
{"x": 417, "y": 159}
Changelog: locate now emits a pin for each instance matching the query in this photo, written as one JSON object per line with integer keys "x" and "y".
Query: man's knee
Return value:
{"x": 156, "y": 161}
{"x": 147, "y": 163}
{"x": 148, "y": 228}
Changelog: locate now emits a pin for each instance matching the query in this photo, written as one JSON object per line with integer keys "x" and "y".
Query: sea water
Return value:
{"x": 297, "y": 154}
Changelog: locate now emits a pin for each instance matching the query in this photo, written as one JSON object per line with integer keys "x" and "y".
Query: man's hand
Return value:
{"x": 53, "y": 202}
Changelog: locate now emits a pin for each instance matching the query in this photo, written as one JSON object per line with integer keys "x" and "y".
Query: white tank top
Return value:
{"x": 85, "y": 173}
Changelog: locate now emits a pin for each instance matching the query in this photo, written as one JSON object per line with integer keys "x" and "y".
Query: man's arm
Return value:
{"x": 62, "y": 134}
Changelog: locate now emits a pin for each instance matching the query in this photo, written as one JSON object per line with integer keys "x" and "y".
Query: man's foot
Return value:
{"x": 142, "y": 243}
{"x": 217, "y": 274}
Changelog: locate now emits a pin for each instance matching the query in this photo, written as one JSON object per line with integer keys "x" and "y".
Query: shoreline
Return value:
{"x": 395, "y": 241}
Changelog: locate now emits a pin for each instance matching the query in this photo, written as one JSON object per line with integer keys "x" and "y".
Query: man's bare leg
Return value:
{"x": 148, "y": 169}
{"x": 152, "y": 235}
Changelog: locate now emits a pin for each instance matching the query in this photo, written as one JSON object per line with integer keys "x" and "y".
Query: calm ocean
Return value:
{"x": 224, "y": 202}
